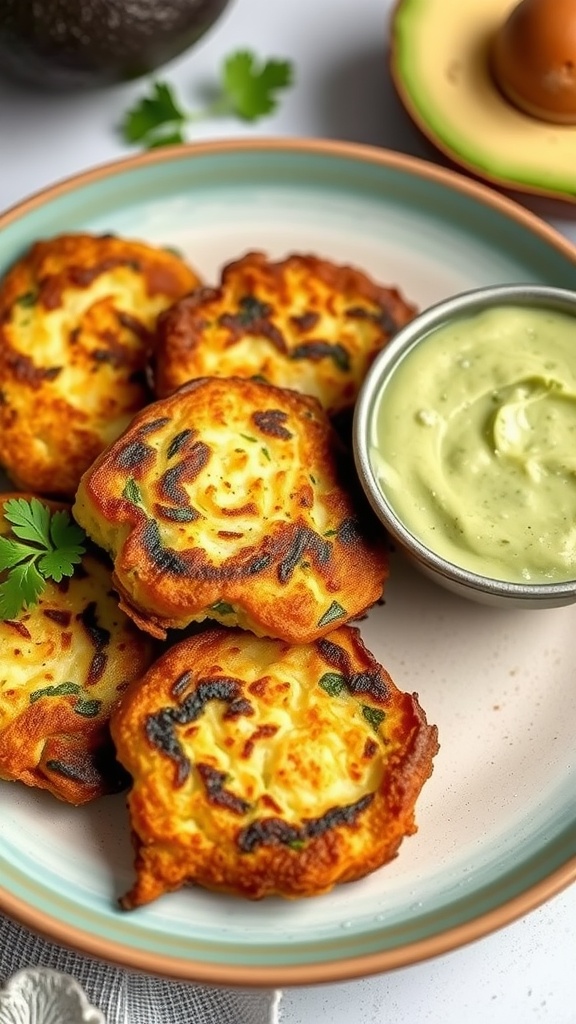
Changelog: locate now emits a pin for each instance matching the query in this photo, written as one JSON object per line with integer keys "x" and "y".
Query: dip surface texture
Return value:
{"x": 474, "y": 443}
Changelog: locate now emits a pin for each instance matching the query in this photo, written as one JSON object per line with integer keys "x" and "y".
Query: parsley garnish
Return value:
{"x": 250, "y": 89}
{"x": 155, "y": 120}
{"x": 49, "y": 545}
{"x": 247, "y": 90}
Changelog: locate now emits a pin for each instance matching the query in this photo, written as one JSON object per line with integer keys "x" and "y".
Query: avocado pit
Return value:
{"x": 533, "y": 59}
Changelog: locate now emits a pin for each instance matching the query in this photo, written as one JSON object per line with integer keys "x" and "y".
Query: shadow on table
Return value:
{"x": 358, "y": 103}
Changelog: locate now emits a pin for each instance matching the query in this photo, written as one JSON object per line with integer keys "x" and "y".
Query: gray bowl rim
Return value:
{"x": 466, "y": 303}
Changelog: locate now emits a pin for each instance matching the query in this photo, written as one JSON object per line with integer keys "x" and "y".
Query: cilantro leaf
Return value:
{"x": 65, "y": 533}
{"x": 27, "y": 583}
{"x": 168, "y": 138}
{"x": 11, "y": 603}
{"x": 251, "y": 89}
{"x": 56, "y": 564}
{"x": 12, "y": 552}
{"x": 158, "y": 111}
{"x": 55, "y": 545}
{"x": 30, "y": 519}
{"x": 247, "y": 89}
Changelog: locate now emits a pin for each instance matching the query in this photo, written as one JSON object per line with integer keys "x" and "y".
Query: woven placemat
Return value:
{"x": 126, "y": 997}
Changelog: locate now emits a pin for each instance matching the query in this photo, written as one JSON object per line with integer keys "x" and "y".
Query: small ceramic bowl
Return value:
{"x": 374, "y": 471}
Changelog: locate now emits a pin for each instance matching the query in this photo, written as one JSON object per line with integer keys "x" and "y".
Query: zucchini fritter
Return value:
{"x": 302, "y": 323}
{"x": 77, "y": 320}
{"x": 263, "y": 769}
{"x": 65, "y": 662}
{"x": 225, "y": 501}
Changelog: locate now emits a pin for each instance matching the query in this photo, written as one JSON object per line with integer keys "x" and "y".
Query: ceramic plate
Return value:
{"x": 497, "y": 820}
{"x": 460, "y": 108}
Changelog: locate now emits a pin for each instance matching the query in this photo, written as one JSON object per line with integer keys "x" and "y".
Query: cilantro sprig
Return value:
{"x": 247, "y": 89}
{"x": 45, "y": 546}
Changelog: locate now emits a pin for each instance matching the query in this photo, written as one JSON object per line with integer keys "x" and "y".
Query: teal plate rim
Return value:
{"x": 467, "y": 917}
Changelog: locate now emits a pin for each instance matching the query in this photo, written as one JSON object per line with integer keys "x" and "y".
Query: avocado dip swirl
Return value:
{"x": 474, "y": 443}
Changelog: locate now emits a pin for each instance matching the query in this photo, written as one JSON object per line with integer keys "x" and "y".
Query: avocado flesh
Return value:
{"x": 63, "y": 43}
{"x": 441, "y": 68}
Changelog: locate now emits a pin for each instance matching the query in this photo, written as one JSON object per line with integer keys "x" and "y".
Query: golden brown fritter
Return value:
{"x": 65, "y": 662}
{"x": 225, "y": 500}
{"x": 77, "y": 319}
{"x": 264, "y": 769}
{"x": 302, "y": 323}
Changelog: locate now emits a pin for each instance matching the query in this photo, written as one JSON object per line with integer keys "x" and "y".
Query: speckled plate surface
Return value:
{"x": 497, "y": 821}
{"x": 440, "y": 65}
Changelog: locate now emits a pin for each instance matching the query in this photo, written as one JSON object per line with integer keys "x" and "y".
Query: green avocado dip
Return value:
{"x": 474, "y": 443}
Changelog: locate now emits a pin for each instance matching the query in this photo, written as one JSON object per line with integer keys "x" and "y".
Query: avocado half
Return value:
{"x": 83, "y": 43}
{"x": 441, "y": 69}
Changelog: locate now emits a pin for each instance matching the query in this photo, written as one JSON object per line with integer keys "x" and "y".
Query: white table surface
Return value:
{"x": 527, "y": 971}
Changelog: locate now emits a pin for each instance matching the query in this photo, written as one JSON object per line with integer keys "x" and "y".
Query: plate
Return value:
{"x": 463, "y": 112}
{"x": 497, "y": 820}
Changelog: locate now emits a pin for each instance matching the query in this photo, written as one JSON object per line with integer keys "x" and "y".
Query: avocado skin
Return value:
{"x": 59, "y": 44}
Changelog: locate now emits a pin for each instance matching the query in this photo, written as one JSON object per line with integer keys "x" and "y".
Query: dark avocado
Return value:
{"x": 83, "y": 43}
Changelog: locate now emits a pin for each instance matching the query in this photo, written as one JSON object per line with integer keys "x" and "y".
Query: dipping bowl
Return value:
{"x": 452, "y": 574}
